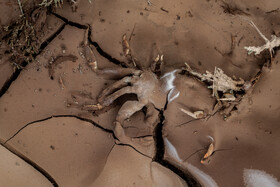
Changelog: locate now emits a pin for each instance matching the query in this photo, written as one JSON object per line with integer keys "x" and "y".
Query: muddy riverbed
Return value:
{"x": 164, "y": 120}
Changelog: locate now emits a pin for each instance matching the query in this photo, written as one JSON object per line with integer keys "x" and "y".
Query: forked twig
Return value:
{"x": 269, "y": 44}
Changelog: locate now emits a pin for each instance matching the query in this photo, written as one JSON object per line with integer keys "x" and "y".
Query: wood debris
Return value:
{"x": 88, "y": 53}
{"x": 156, "y": 65}
{"x": 219, "y": 80}
{"x": 93, "y": 66}
{"x": 196, "y": 115}
{"x": 126, "y": 49}
{"x": 92, "y": 107}
{"x": 61, "y": 83}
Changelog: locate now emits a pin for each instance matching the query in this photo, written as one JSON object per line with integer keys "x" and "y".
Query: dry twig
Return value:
{"x": 269, "y": 44}
{"x": 196, "y": 115}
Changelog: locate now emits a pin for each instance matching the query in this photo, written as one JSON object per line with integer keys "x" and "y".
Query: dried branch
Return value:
{"x": 196, "y": 115}
{"x": 269, "y": 44}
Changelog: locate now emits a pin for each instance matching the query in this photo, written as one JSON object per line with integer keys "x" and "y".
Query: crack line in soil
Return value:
{"x": 144, "y": 136}
{"x": 95, "y": 44}
{"x": 71, "y": 23}
{"x": 158, "y": 138}
{"x": 159, "y": 155}
{"x": 197, "y": 151}
{"x": 185, "y": 123}
{"x": 77, "y": 117}
{"x": 33, "y": 164}
{"x": 122, "y": 144}
{"x": 17, "y": 72}
{"x": 61, "y": 116}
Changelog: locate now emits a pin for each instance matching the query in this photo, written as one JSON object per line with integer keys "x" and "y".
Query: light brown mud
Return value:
{"x": 54, "y": 140}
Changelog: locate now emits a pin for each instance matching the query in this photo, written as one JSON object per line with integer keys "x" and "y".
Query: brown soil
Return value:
{"x": 48, "y": 139}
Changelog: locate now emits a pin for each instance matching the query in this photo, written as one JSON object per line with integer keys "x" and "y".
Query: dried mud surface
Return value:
{"x": 46, "y": 141}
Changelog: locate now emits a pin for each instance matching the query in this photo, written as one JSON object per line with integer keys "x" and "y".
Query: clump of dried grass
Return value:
{"x": 21, "y": 37}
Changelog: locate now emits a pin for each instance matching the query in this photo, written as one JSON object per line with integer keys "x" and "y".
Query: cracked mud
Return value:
{"x": 47, "y": 133}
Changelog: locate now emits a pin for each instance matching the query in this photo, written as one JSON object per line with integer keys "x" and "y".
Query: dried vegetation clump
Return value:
{"x": 219, "y": 81}
{"x": 226, "y": 90}
{"x": 22, "y": 38}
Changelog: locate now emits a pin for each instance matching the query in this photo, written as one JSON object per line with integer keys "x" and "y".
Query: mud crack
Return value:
{"x": 62, "y": 116}
{"x": 121, "y": 144}
{"x": 77, "y": 117}
{"x": 159, "y": 155}
{"x": 94, "y": 43}
{"x": 33, "y": 164}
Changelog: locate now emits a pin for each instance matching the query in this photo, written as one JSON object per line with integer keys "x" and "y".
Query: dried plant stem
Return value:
{"x": 20, "y": 7}
{"x": 196, "y": 115}
{"x": 260, "y": 33}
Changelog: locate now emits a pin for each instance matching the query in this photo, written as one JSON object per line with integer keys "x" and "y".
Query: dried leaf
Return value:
{"x": 157, "y": 58}
{"x": 125, "y": 44}
{"x": 93, "y": 66}
{"x": 208, "y": 153}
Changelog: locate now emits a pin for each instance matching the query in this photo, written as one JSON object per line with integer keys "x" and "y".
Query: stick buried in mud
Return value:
{"x": 58, "y": 60}
{"x": 88, "y": 53}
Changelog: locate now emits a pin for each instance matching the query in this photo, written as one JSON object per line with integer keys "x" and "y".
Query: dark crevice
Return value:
{"x": 122, "y": 144}
{"x": 159, "y": 155}
{"x": 95, "y": 44}
{"x": 61, "y": 116}
{"x": 159, "y": 143}
{"x": 17, "y": 72}
{"x": 33, "y": 164}
{"x": 102, "y": 52}
{"x": 71, "y": 23}
{"x": 186, "y": 176}
{"x": 143, "y": 136}
{"x": 12, "y": 78}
